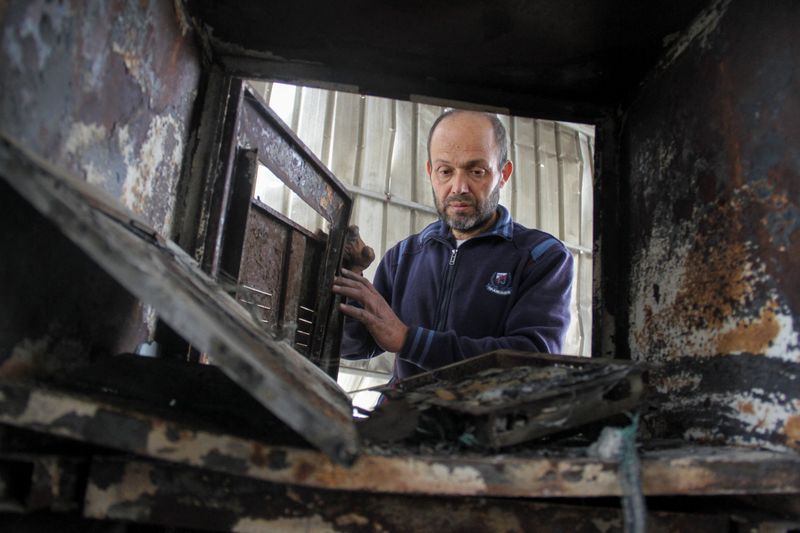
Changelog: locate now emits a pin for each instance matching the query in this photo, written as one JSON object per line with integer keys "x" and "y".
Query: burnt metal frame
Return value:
{"x": 693, "y": 471}
{"x": 162, "y": 275}
{"x": 238, "y": 122}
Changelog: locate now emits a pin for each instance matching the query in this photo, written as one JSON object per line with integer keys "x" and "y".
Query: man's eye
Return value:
{"x": 444, "y": 171}
{"x": 478, "y": 172}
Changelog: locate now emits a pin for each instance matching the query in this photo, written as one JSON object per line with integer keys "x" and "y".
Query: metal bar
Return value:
{"x": 259, "y": 291}
{"x": 326, "y": 339}
{"x": 289, "y": 159}
{"x": 197, "y": 181}
{"x": 294, "y": 282}
{"x": 356, "y": 371}
{"x": 391, "y": 199}
{"x": 685, "y": 470}
{"x": 218, "y": 206}
{"x": 286, "y": 273}
{"x": 237, "y": 212}
{"x": 255, "y": 304}
{"x": 578, "y": 249}
{"x": 267, "y": 210}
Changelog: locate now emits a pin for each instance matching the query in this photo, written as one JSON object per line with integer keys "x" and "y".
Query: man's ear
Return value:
{"x": 428, "y": 168}
{"x": 505, "y": 173}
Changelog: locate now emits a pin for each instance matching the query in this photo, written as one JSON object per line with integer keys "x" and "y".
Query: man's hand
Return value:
{"x": 381, "y": 322}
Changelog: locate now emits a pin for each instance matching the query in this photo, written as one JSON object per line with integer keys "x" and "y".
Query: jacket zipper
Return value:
{"x": 447, "y": 287}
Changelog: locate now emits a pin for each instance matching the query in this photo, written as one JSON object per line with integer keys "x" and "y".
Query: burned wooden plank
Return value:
{"x": 543, "y": 473}
{"x": 505, "y": 397}
{"x": 156, "y": 493}
{"x": 164, "y": 276}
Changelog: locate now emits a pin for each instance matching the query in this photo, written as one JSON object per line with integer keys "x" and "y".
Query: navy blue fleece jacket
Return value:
{"x": 508, "y": 287}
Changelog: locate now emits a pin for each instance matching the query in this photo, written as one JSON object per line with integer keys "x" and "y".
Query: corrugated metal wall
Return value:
{"x": 377, "y": 147}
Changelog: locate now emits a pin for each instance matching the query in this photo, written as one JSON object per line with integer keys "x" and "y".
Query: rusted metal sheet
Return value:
{"x": 289, "y": 159}
{"x": 31, "y": 482}
{"x": 713, "y": 173}
{"x": 162, "y": 275}
{"x": 505, "y": 397}
{"x": 532, "y": 473}
{"x": 273, "y": 272}
{"x": 140, "y": 491}
{"x": 264, "y": 253}
{"x": 105, "y": 90}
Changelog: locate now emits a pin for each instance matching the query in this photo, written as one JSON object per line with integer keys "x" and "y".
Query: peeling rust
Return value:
{"x": 752, "y": 336}
{"x": 713, "y": 171}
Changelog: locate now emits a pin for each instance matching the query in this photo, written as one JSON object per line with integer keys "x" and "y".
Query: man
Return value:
{"x": 473, "y": 281}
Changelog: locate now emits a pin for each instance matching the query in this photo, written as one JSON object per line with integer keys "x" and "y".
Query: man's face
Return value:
{"x": 464, "y": 171}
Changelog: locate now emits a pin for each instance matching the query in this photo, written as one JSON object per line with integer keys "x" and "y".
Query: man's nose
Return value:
{"x": 459, "y": 184}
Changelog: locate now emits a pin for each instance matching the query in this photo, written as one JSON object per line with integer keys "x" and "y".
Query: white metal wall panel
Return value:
{"x": 345, "y": 137}
{"x": 378, "y": 147}
{"x": 547, "y": 196}
{"x": 523, "y": 180}
{"x": 401, "y": 175}
{"x": 426, "y": 116}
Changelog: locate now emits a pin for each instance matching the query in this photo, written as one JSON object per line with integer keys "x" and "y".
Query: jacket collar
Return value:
{"x": 504, "y": 227}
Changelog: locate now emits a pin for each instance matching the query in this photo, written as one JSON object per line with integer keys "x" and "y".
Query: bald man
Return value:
{"x": 472, "y": 282}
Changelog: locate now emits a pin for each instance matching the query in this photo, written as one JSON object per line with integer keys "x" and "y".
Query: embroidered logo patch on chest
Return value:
{"x": 500, "y": 283}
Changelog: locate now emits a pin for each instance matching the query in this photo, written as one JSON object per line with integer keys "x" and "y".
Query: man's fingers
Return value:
{"x": 349, "y": 274}
{"x": 344, "y": 282}
{"x": 354, "y": 312}
{"x": 349, "y": 292}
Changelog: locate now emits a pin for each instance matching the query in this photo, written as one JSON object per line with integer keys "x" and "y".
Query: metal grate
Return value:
{"x": 257, "y": 301}
{"x": 305, "y": 325}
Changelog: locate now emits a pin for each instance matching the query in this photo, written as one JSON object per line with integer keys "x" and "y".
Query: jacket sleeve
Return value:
{"x": 537, "y": 322}
{"x": 357, "y": 343}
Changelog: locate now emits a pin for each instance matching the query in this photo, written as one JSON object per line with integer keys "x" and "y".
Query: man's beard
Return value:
{"x": 481, "y": 213}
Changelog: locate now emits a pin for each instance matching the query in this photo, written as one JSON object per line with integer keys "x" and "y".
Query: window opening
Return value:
{"x": 377, "y": 148}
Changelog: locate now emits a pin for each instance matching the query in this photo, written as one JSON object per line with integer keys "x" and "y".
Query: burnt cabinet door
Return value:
{"x": 279, "y": 270}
